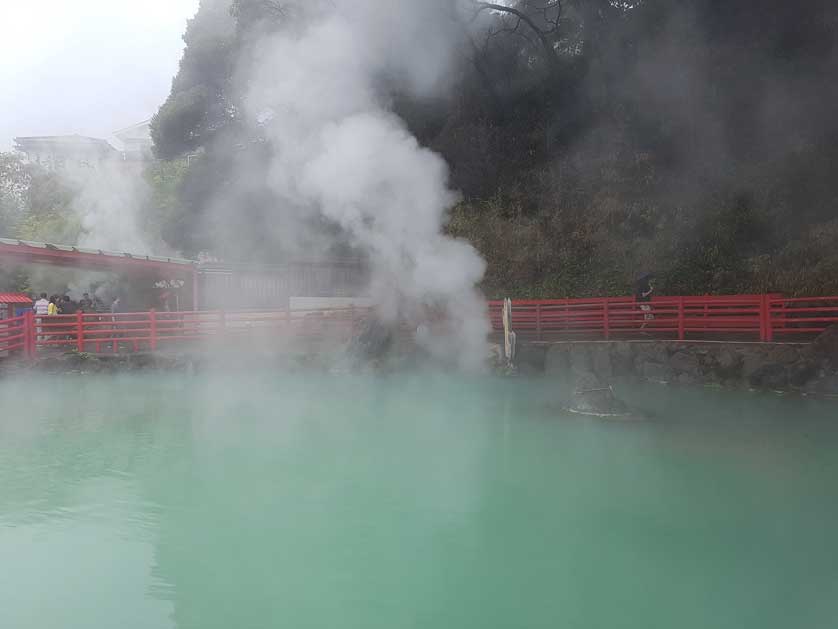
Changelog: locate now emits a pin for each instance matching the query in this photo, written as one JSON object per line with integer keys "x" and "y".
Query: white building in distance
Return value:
{"x": 61, "y": 152}
{"x": 136, "y": 141}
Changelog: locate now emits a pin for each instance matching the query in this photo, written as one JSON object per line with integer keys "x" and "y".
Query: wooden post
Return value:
{"x": 80, "y": 331}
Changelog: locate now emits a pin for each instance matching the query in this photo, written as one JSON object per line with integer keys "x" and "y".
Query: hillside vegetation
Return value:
{"x": 590, "y": 140}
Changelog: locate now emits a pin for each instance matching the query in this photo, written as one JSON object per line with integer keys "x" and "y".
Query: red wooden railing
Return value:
{"x": 15, "y": 335}
{"x": 738, "y": 317}
{"x": 149, "y": 330}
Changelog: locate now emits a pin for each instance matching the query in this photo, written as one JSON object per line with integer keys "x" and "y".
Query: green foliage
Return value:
{"x": 14, "y": 280}
{"x": 35, "y": 204}
{"x": 165, "y": 212}
{"x": 198, "y": 105}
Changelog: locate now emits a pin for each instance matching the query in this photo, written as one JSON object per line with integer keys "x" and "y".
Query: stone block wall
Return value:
{"x": 810, "y": 368}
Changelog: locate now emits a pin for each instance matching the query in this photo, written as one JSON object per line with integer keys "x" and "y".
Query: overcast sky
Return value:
{"x": 86, "y": 66}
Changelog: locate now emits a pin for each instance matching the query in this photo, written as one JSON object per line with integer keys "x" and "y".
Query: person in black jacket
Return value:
{"x": 643, "y": 295}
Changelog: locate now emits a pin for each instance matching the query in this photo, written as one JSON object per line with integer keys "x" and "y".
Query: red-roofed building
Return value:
{"x": 13, "y": 305}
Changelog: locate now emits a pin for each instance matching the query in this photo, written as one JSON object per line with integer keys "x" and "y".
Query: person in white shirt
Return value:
{"x": 41, "y": 309}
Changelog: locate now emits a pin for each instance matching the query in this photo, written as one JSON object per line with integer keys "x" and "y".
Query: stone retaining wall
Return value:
{"x": 811, "y": 368}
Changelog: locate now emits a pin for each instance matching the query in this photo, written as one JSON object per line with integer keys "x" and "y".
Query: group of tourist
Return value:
{"x": 64, "y": 305}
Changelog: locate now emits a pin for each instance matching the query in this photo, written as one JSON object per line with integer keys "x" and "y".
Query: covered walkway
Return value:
{"x": 15, "y": 252}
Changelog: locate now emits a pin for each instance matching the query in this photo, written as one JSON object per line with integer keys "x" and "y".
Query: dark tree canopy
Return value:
{"x": 199, "y": 103}
{"x": 590, "y": 139}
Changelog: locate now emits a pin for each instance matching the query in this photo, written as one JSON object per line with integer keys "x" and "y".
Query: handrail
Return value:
{"x": 136, "y": 330}
{"x": 763, "y": 318}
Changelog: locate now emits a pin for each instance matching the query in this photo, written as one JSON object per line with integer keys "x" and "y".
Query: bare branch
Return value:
{"x": 543, "y": 34}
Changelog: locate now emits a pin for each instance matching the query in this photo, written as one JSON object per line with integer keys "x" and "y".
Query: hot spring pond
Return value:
{"x": 268, "y": 500}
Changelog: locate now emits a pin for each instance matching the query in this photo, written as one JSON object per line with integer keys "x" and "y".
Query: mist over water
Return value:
{"x": 413, "y": 500}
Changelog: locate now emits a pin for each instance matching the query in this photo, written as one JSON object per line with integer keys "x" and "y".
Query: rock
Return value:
{"x": 586, "y": 380}
{"x": 602, "y": 403}
{"x": 783, "y": 355}
{"x": 728, "y": 364}
{"x": 529, "y": 370}
{"x": 622, "y": 358}
{"x": 826, "y": 346}
{"x": 802, "y": 373}
{"x": 657, "y": 372}
{"x": 601, "y": 362}
{"x": 142, "y": 361}
{"x": 580, "y": 358}
{"x": 557, "y": 360}
{"x": 531, "y": 357}
{"x": 827, "y": 385}
{"x": 771, "y": 376}
{"x": 683, "y": 362}
{"x": 686, "y": 378}
{"x": 753, "y": 358}
{"x": 592, "y": 397}
{"x": 494, "y": 356}
{"x": 373, "y": 342}
{"x": 652, "y": 352}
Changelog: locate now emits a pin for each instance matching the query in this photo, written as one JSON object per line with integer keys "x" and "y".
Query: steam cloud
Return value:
{"x": 108, "y": 204}
{"x": 338, "y": 150}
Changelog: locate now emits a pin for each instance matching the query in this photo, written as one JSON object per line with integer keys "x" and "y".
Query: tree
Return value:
{"x": 15, "y": 179}
{"x": 590, "y": 139}
{"x": 542, "y": 18}
{"x": 199, "y": 104}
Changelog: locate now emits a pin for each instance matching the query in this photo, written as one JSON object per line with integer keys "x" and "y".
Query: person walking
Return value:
{"x": 41, "y": 309}
{"x": 643, "y": 295}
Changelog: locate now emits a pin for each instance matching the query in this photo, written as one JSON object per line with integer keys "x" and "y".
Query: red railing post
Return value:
{"x": 30, "y": 335}
{"x": 763, "y": 328}
{"x": 767, "y": 333}
{"x": 537, "y": 321}
{"x": 681, "y": 322}
{"x": 115, "y": 333}
{"x": 80, "y": 331}
{"x": 606, "y": 320}
{"x": 152, "y": 329}
{"x": 222, "y": 323}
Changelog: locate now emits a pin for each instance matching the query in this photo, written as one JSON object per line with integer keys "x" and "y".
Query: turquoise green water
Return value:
{"x": 330, "y": 502}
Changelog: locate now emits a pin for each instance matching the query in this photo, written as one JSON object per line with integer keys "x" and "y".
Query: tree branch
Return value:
{"x": 543, "y": 35}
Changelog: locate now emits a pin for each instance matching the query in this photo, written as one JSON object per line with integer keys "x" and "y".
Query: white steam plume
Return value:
{"x": 108, "y": 204}
{"x": 340, "y": 151}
